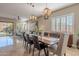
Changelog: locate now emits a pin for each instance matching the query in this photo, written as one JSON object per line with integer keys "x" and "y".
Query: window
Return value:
{"x": 63, "y": 23}
{"x": 21, "y": 27}
{"x": 53, "y": 24}
{"x": 6, "y": 28}
{"x": 70, "y": 23}
{"x": 58, "y": 24}
{"x": 6, "y": 32}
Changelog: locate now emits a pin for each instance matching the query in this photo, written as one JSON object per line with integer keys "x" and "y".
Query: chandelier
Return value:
{"x": 33, "y": 18}
{"x": 47, "y": 12}
{"x": 31, "y": 4}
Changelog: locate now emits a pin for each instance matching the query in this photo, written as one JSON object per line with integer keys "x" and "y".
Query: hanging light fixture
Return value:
{"x": 31, "y": 4}
{"x": 33, "y": 18}
{"x": 47, "y": 12}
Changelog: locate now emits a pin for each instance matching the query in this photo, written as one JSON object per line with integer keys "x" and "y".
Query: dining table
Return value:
{"x": 46, "y": 39}
{"x": 49, "y": 41}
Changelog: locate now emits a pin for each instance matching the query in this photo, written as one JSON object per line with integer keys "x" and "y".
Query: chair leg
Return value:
{"x": 39, "y": 53}
{"x": 24, "y": 44}
{"x": 45, "y": 51}
{"x": 64, "y": 54}
{"x": 29, "y": 48}
{"x": 27, "y": 44}
{"x": 33, "y": 51}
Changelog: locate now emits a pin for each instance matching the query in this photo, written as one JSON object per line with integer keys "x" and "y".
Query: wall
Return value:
{"x": 71, "y": 9}
{"x": 44, "y": 25}
{"x": 4, "y": 19}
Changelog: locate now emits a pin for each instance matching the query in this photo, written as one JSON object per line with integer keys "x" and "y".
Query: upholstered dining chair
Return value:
{"x": 29, "y": 42}
{"x": 61, "y": 46}
{"x": 25, "y": 39}
{"x": 64, "y": 46}
{"x": 39, "y": 46}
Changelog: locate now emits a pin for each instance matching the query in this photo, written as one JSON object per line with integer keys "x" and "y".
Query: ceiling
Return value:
{"x": 12, "y": 10}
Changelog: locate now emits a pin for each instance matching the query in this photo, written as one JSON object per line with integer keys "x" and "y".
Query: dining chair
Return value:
{"x": 29, "y": 42}
{"x": 25, "y": 40}
{"x": 39, "y": 46}
{"x": 46, "y": 34}
{"x": 65, "y": 42}
{"x": 62, "y": 45}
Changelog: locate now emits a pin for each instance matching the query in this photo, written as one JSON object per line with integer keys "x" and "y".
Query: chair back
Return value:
{"x": 55, "y": 35}
{"x": 24, "y": 36}
{"x": 40, "y": 33}
{"x": 62, "y": 44}
{"x": 45, "y": 33}
{"x": 36, "y": 42}
{"x": 28, "y": 38}
{"x": 65, "y": 42}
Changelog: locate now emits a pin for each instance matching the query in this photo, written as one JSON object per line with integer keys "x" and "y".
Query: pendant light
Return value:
{"x": 47, "y": 12}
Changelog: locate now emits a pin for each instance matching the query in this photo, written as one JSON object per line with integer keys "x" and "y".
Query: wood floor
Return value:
{"x": 19, "y": 50}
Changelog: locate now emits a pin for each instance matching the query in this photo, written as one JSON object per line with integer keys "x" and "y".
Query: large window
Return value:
{"x": 21, "y": 27}
{"x": 63, "y": 23}
{"x": 24, "y": 27}
{"x": 6, "y": 28}
{"x": 6, "y": 32}
{"x": 57, "y": 24}
{"x": 53, "y": 24}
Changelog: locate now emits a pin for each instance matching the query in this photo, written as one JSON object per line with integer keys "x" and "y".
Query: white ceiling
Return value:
{"x": 25, "y": 10}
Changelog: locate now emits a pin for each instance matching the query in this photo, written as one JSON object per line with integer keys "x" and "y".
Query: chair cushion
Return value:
{"x": 54, "y": 40}
{"x": 54, "y": 46}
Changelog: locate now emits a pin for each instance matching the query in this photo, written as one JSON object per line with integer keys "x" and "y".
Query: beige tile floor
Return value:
{"x": 72, "y": 52}
{"x": 19, "y": 50}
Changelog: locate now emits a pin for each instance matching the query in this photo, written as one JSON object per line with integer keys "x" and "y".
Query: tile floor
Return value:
{"x": 19, "y": 50}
